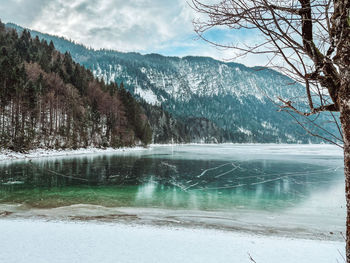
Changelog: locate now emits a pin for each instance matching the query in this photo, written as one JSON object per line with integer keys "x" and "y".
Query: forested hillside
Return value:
{"x": 48, "y": 100}
{"x": 169, "y": 129}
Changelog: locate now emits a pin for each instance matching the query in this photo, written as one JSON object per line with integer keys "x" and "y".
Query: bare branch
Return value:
{"x": 288, "y": 104}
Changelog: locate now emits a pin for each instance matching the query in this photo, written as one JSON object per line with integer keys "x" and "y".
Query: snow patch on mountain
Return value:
{"x": 147, "y": 95}
{"x": 245, "y": 131}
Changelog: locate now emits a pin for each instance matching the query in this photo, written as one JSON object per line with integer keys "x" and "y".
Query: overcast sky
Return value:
{"x": 145, "y": 26}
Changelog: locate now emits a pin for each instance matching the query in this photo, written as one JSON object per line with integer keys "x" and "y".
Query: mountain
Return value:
{"x": 229, "y": 101}
{"x": 48, "y": 100}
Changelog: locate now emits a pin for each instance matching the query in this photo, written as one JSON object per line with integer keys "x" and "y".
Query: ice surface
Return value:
{"x": 294, "y": 191}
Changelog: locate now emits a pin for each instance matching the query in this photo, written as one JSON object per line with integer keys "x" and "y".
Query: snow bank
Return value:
{"x": 39, "y": 241}
{"x": 6, "y": 155}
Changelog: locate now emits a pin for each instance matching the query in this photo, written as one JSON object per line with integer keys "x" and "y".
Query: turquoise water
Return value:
{"x": 275, "y": 180}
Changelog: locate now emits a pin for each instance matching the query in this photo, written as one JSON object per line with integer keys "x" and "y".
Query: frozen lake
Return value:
{"x": 282, "y": 190}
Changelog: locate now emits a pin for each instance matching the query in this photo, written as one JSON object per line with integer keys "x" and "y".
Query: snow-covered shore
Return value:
{"x": 40, "y": 241}
{"x": 7, "y": 155}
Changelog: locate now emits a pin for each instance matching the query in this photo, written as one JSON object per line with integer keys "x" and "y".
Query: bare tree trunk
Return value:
{"x": 344, "y": 102}
{"x": 51, "y": 117}
{"x": 3, "y": 119}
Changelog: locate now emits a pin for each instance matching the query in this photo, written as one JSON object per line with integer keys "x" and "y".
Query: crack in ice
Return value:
{"x": 211, "y": 169}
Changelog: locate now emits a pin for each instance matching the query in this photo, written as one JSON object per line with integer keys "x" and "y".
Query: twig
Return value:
{"x": 250, "y": 257}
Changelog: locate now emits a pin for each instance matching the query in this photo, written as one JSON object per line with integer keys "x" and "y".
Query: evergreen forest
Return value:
{"x": 49, "y": 101}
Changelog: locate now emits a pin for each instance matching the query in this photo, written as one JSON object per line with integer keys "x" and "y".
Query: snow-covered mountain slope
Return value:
{"x": 181, "y": 78}
{"x": 235, "y": 98}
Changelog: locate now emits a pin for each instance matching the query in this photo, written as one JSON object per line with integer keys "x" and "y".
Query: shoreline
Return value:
{"x": 237, "y": 221}
{"x": 8, "y": 155}
{"x": 44, "y": 241}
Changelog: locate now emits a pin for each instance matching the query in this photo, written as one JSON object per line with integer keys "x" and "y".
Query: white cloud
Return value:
{"x": 123, "y": 25}
{"x": 159, "y": 26}
{"x": 21, "y": 11}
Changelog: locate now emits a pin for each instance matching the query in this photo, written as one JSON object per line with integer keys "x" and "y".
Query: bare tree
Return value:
{"x": 308, "y": 40}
